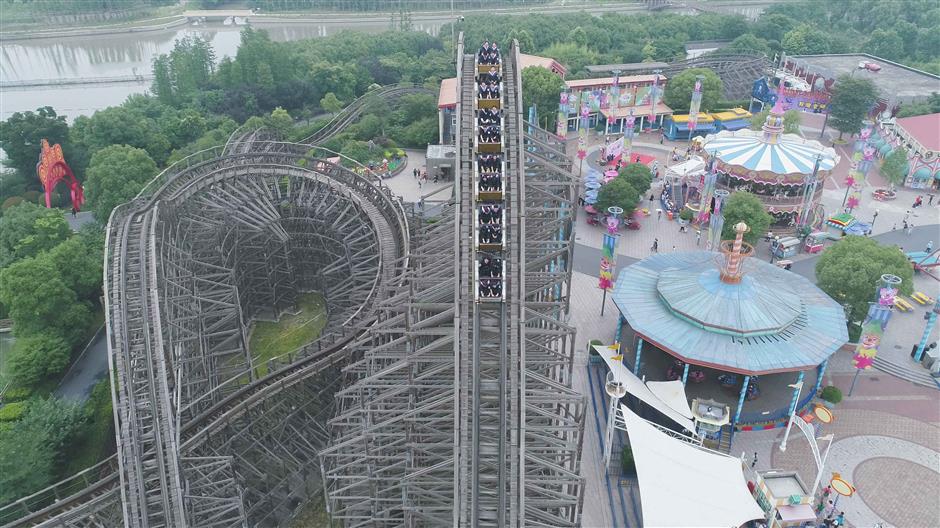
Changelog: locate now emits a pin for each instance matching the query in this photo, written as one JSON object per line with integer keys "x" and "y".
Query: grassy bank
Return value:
{"x": 269, "y": 340}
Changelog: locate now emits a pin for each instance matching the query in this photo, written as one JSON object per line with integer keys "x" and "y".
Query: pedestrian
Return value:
{"x": 662, "y": 137}
{"x": 655, "y": 248}
{"x": 910, "y": 228}
{"x": 659, "y": 214}
{"x": 929, "y": 246}
{"x": 840, "y": 519}
{"x": 894, "y": 227}
{"x": 673, "y": 248}
{"x": 651, "y": 199}
{"x": 754, "y": 460}
{"x": 930, "y": 199}
{"x": 698, "y": 236}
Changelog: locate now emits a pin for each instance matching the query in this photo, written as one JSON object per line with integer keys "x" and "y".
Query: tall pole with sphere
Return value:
{"x": 717, "y": 221}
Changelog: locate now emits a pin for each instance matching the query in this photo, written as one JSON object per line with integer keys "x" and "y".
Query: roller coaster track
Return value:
{"x": 207, "y": 438}
{"x": 355, "y": 109}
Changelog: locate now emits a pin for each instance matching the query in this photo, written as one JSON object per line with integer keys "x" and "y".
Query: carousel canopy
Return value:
{"x": 791, "y": 154}
{"x": 771, "y": 321}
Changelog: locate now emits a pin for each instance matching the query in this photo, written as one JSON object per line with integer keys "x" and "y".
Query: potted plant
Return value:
{"x": 831, "y": 394}
{"x": 685, "y": 216}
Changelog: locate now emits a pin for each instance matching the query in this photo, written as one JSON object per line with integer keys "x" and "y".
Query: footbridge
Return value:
{"x": 439, "y": 392}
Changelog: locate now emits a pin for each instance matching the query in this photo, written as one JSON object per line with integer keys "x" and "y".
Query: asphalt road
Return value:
{"x": 88, "y": 369}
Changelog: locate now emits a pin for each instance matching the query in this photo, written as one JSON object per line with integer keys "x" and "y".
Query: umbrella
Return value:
{"x": 592, "y": 185}
{"x": 590, "y": 209}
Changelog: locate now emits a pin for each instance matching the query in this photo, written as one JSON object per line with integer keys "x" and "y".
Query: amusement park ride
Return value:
{"x": 439, "y": 392}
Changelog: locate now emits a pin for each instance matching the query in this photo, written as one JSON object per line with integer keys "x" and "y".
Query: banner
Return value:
{"x": 873, "y": 328}
{"x": 614, "y": 149}
{"x": 654, "y": 98}
{"x": 694, "y": 106}
{"x": 608, "y": 262}
{"x": 628, "y": 135}
{"x": 561, "y": 126}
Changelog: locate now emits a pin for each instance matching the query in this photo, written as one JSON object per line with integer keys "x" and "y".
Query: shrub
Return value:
{"x": 10, "y": 202}
{"x": 12, "y": 411}
{"x": 16, "y": 394}
{"x": 626, "y": 460}
{"x": 32, "y": 197}
{"x": 591, "y": 344}
{"x": 35, "y": 357}
{"x": 831, "y": 394}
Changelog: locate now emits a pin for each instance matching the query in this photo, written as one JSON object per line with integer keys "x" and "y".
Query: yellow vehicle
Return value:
{"x": 922, "y": 298}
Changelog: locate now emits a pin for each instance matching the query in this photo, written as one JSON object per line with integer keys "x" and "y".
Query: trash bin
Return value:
{"x": 669, "y": 215}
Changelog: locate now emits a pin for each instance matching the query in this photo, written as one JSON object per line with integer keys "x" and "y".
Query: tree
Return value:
{"x": 750, "y": 42}
{"x": 850, "y": 269}
{"x": 578, "y": 36}
{"x": 27, "y": 229}
{"x": 116, "y": 174}
{"x": 79, "y": 261}
{"x": 745, "y": 207}
{"x": 571, "y": 55}
{"x": 526, "y": 44}
{"x": 895, "y": 166}
{"x": 41, "y": 302}
{"x": 678, "y": 94}
{"x": 805, "y": 40}
{"x": 930, "y": 106}
{"x": 886, "y": 44}
{"x": 542, "y": 88}
{"x": 791, "y": 121}
{"x": 281, "y": 121}
{"x": 33, "y": 358}
{"x": 330, "y": 103}
{"x": 21, "y": 134}
{"x": 638, "y": 176}
{"x": 32, "y": 449}
{"x": 852, "y": 98}
{"x": 121, "y": 125}
{"x": 618, "y": 193}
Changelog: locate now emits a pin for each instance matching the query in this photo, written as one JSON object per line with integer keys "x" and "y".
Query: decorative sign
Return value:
{"x": 873, "y": 328}
{"x": 614, "y": 149}
{"x": 841, "y": 486}
{"x": 695, "y": 105}
{"x": 608, "y": 262}
{"x": 52, "y": 169}
{"x": 561, "y": 126}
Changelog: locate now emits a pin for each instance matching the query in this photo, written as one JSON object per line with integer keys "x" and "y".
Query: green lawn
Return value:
{"x": 269, "y": 340}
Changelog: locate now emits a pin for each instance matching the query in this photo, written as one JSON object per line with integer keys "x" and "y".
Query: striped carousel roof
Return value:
{"x": 791, "y": 154}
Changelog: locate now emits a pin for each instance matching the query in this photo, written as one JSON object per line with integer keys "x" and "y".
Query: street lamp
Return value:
{"x": 873, "y": 218}
{"x": 773, "y": 249}
{"x": 786, "y": 435}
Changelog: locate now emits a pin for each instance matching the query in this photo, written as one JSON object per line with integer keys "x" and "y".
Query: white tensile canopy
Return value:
{"x": 677, "y": 411}
{"x": 672, "y": 393}
{"x": 682, "y": 485}
{"x": 694, "y": 166}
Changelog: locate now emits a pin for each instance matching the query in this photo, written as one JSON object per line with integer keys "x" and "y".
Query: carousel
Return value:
{"x": 784, "y": 170}
{"x": 737, "y": 332}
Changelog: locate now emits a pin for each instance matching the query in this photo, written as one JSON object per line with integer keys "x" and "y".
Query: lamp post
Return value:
{"x": 822, "y": 464}
{"x": 873, "y": 218}
{"x": 616, "y": 389}
{"x": 799, "y": 387}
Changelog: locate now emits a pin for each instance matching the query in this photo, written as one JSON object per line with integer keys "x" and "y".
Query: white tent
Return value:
{"x": 672, "y": 393}
{"x": 680, "y": 413}
{"x": 694, "y": 166}
{"x": 682, "y": 485}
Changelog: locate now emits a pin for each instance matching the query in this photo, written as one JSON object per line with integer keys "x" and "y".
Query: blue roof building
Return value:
{"x": 730, "y": 313}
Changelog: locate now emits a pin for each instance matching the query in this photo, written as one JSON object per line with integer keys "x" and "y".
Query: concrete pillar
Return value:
{"x": 440, "y": 127}
{"x": 619, "y": 335}
{"x": 796, "y": 394}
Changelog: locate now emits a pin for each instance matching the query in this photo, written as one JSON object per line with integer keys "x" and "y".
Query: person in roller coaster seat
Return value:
{"x": 489, "y": 134}
{"x": 491, "y": 288}
{"x": 488, "y": 116}
{"x": 491, "y": 234}
{"x": 491, "y": 268}
{"x": 484, "y": 52}
{"x": 490, "y": 214}
{"x": 490, "y": 162}
{"x": 490, "y": 182}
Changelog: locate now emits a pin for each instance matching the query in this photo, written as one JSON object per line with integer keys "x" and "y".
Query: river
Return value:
{"x": 119, "y": 55}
